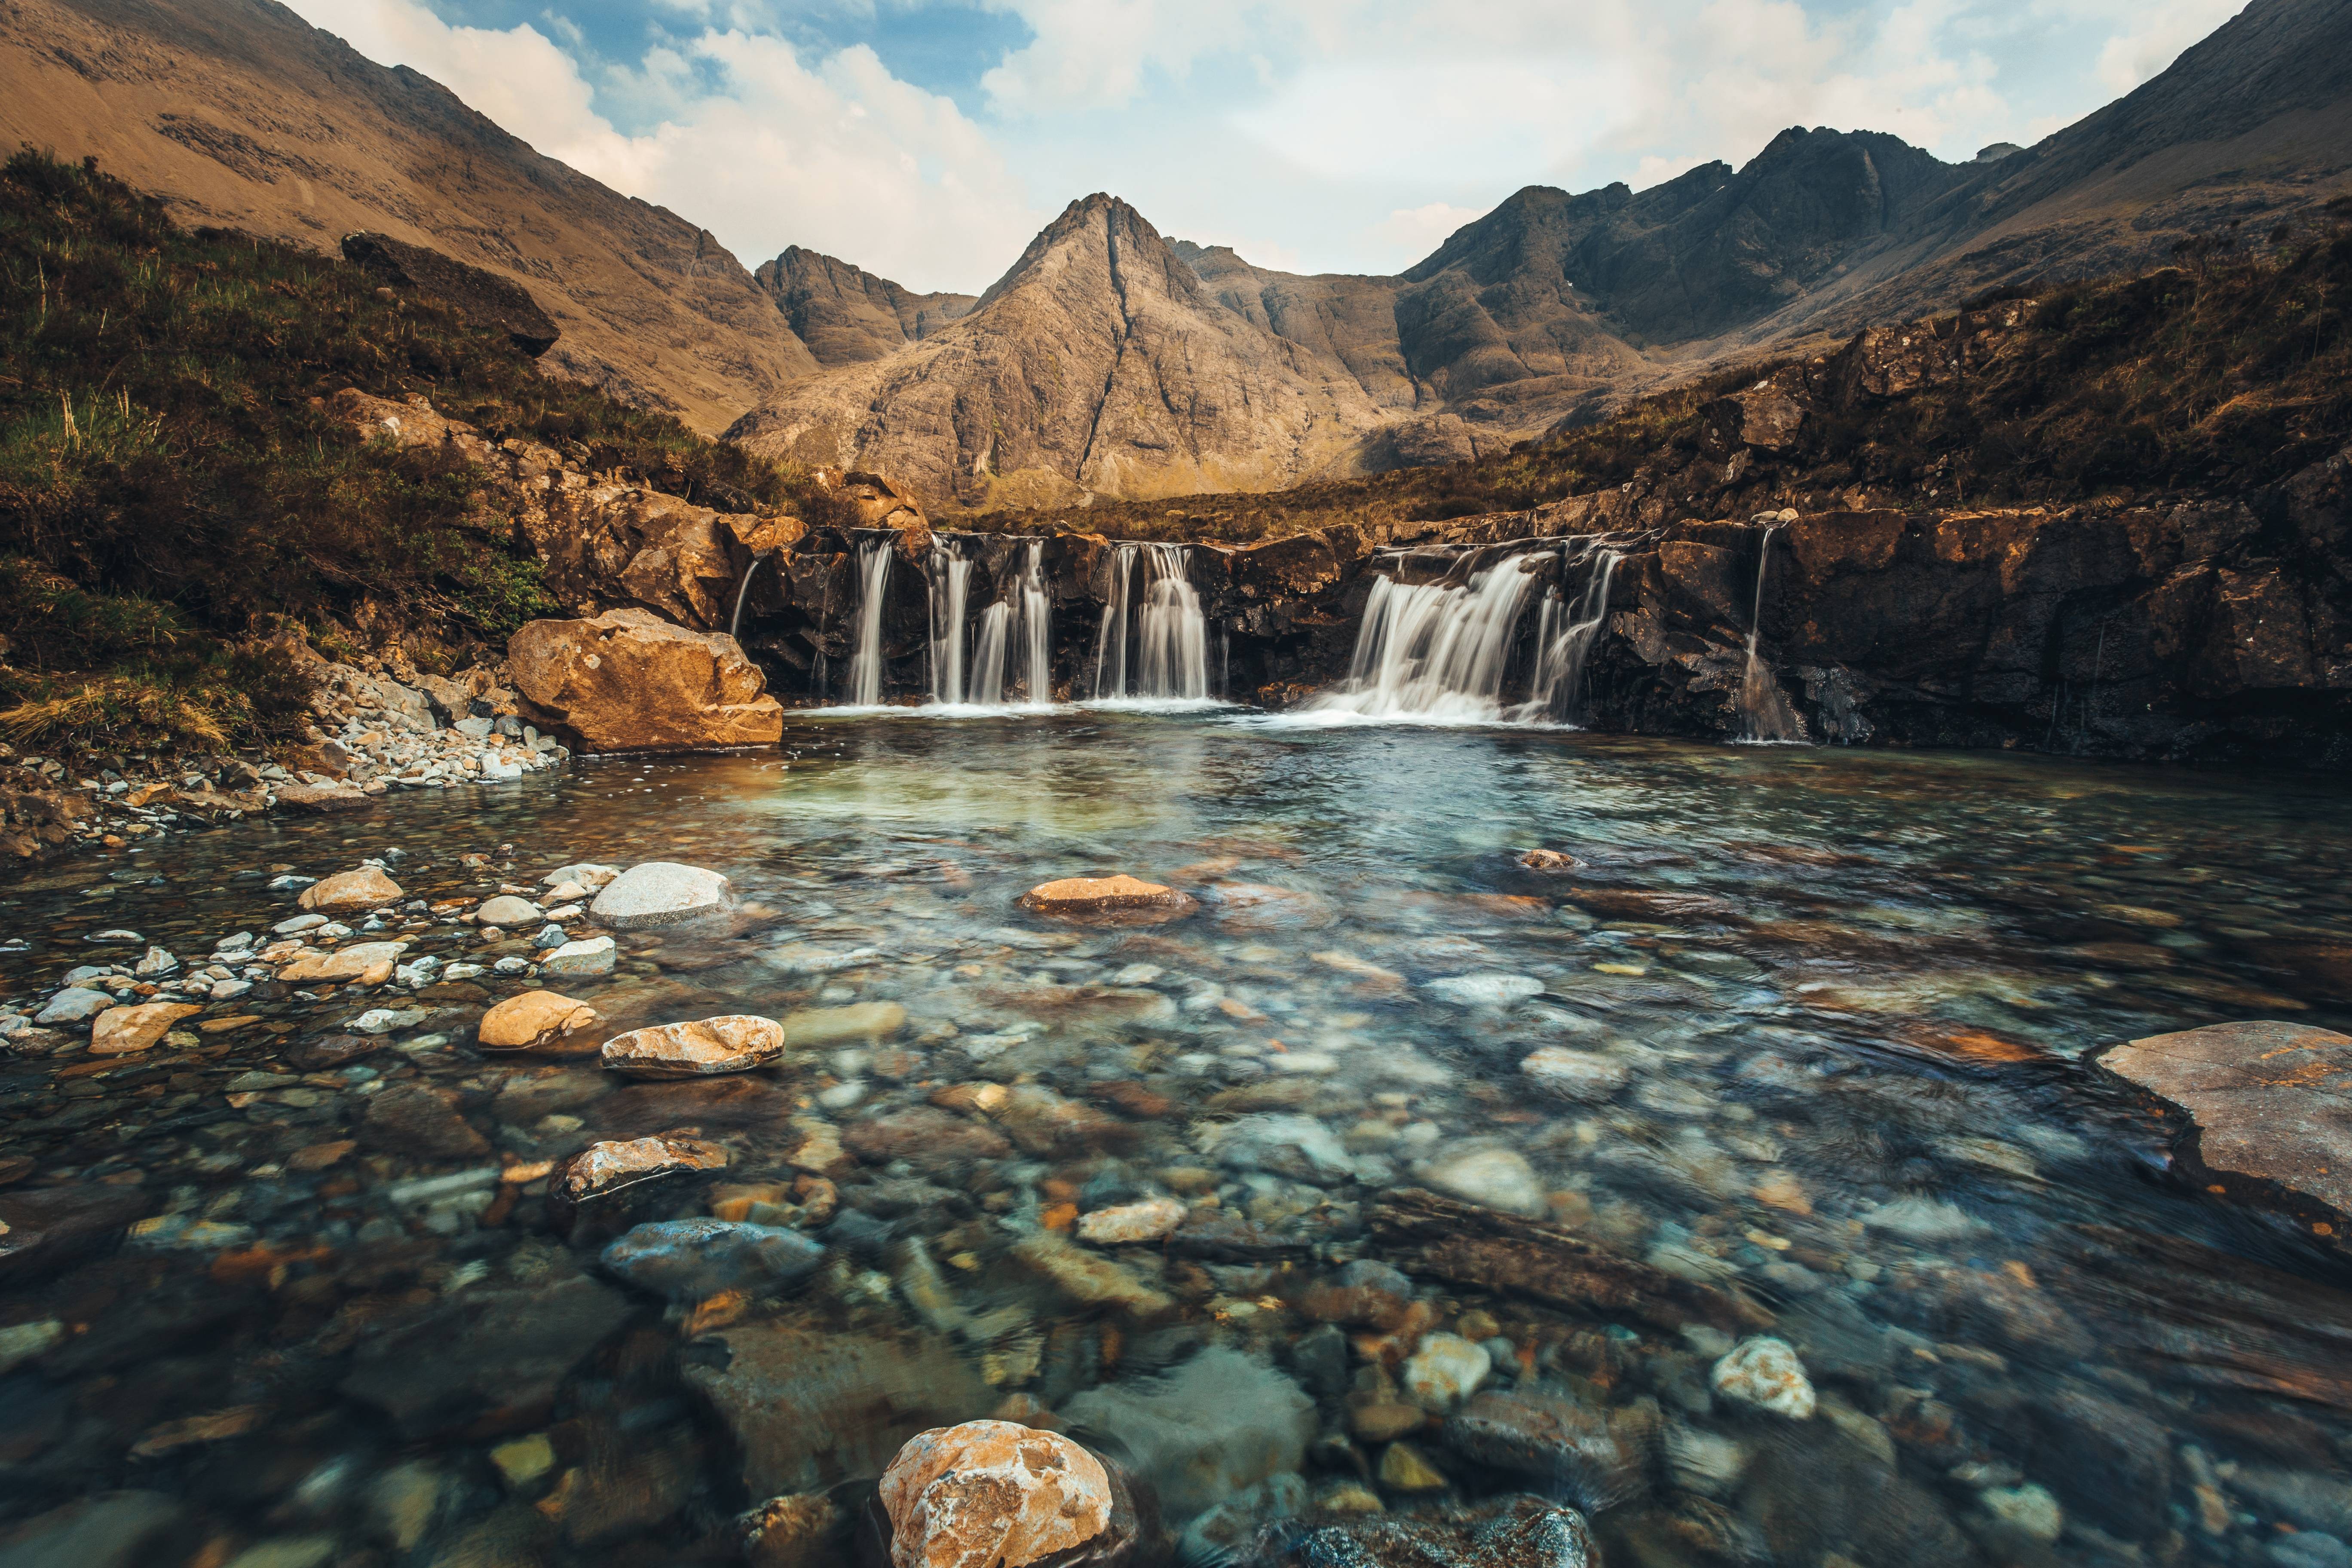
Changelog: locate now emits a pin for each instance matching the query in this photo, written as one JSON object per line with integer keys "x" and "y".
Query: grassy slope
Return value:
{"x": 2225, "y": 373}
{"x": 169, "y": 489}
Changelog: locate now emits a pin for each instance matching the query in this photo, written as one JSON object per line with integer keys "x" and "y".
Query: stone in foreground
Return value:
{"x": 736, "y": 1042}
{"x": 2271, "y": 1100}
{"x": 582, "y": 960}
{"x": 349, "y": 892}
{"x": 991, "y": 1493}
{"x": 542, "y": 1021}
{"x": 369, "y": 962}
{"x": 1121, "y": 899}
{"x": 1765, "y": 1372}
{"x": 660, "y": 892}
{"x": 608, "y": 1167}
{"x": 124, "y": 1031}
{"x": 630, "y": 681}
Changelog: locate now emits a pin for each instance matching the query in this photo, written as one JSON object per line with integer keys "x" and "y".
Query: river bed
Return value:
{"x": 1794, "y": 1050}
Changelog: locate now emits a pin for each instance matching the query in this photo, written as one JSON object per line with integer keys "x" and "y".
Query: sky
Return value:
{"x": 928, "y": 140}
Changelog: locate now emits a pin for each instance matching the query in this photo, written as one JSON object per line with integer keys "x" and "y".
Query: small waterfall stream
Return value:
{"x": 1171, "y": 632}
{"x": 1435, "y": 650}
{"x": 865, "y": 665}
{"x": 1565, "y": 636}
{"x": 735, "y": 626}
{"x": 1764, "y": 710}
{"x": 951, "y": 581}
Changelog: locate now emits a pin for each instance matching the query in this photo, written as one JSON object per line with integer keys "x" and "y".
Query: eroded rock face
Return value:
{"x": 991, "y": 1493}
{"x": 733, "y": 1043}
{"x": 629, "y": 682}
{"x": 2271, "y": 1100}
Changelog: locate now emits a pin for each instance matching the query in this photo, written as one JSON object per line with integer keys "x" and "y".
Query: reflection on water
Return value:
{"x": 1790, "y": 1049}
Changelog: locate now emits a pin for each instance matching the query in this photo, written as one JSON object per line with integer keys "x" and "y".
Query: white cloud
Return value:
{"x": 745, "y": 138}
{"x": 1417, "y": 231}
{"x": 2158, "y": 33}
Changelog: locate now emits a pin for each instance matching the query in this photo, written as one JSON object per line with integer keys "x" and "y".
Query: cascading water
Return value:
{"x": 736, "y": 626}
{"x": 1435, "y": 650}
{"x": 1110, "y": 643}
{"x": 1034, "y": 620}
{"x": 987, "y": 689}
{"x": 1017, "y": 640}
{"x": 865, "y": 665}
{"x": 1171, "y": 633}
{"x": 1764, "y": 710}
{"x": 1565, "y": 637}
{"x": 951, "y": 581}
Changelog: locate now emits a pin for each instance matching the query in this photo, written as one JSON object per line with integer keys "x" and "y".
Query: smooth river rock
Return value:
{"x": 609, "y": 1166}
{"x": 543, "y": 1021}
{"x": 2270, "y": 1100}
{"x": 369, "y": 962}
{"x": 991, "y": 1494}
{"x": 1764, "y": 1373}
{"x": 630, "y": 681}
{"x": 660, "y": 892}
{"x": 695, "y": 1260}
{"x": 349, "y": 893}
{"x": 124, "y": 1031}
{"x": 1571, "y": 1074}
{"x": 506, "y": 909}
{"x": 1119, "y": 900}
{"x": 581, "y": 959}
{"x": 737, "y": 1042}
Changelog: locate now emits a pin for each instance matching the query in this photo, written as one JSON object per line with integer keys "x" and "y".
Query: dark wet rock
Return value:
{"x": 1444, "y": 1238}
{"x": 808, "y": 1530}
{"x": 1513, "y": 1533}
{"x": 331, "y": 1051}
{"x": 930, "y": 1139}
{"x": 808, "y": 1404}
{"x": 50, "y": 1228}
{"x": 1548, "y": 1435}
{"x": 694, "y": 1259}
{"x": 1220, "y": 1423}
{"x": 487, "y": 298}
{"x": 708, "y": 1103}
{"x": 1812, "y": 1490}
{"x": 2301, "y": 1498}
{"x": 485, "y": 1349}
{"x": 420, "y": 1122}
{"x": 2272, "y": 1101}
{"x": 2104, "y": 1458}
{"x": 2019, "y": 1317}
{"x": 107, "y": 1530}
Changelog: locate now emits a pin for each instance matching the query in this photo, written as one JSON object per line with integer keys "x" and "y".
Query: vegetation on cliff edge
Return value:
{"x": 171, "y": 489}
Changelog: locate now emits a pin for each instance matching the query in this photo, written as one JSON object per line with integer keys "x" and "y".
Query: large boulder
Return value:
{"x": 630, "y": 681}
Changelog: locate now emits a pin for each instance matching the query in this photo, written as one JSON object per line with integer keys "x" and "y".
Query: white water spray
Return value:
{"x": 1171, "y": 633}
{"x": 1434, "y": 651}
{"x": 950, "y": 582}
{"x": 866, "y": 666}
{"x": 1565, "y": 637}
{"x": 1110, "y": 642}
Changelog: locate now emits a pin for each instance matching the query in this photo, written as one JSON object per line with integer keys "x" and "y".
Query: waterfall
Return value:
{"x": 987, "y": 690}
{"x": 866, "y": 666}
{"x": 950, "y": 577}
{"x": 1110, "y": 642}
{"x": 1764, "y": 710}
{"x": 1171, "y": 634}
{"x": 736, "y": 625}
{"x": 1035, "y": 618}
{"x": 1434, "y": 651}
{"x": 1565, "y": 647}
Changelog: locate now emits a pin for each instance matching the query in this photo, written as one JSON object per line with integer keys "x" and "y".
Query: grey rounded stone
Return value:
{"x": 660, "y": 892}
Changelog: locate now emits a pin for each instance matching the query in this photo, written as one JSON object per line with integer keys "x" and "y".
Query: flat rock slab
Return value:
{"x": 737, "y": 1042}
{"x": 1121, "y": 899}
{"x": 2270, "y": 1100}
{"x": 660, "y": 892}
{"x": 124, "y": 1031}
{"x": 348, "y": 892}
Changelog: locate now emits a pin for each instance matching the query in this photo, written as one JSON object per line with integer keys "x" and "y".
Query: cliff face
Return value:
{"x": 242, "y": 115}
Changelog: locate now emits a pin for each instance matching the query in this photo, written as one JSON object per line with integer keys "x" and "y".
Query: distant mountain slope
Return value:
{"x": 242, "y": 115}
{"x": 845, "y": 314}
{"x": 1100, "y": 363}
{"x": 1557, "y": 304}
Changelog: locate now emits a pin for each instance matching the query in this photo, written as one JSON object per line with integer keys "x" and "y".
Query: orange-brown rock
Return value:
{"x": 990, "y": 1494}
{"x": 734, "y": 1043}
{"x": 121, "y": 1031}
{"x": 543, "y": 1022}
{"x": 1122, "y": 898}
{"x": 629, "y": 682}
{"x": 347, "y": 892}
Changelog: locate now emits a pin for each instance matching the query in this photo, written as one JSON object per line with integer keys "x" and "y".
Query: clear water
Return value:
{"x": 1851, "y": 1090}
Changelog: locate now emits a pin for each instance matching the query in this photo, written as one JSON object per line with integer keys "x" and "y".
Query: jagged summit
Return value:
{"x": 845, "y": 314}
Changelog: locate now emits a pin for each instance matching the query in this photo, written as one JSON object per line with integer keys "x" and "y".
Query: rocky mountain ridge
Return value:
{"x": 1556, "y": 307}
